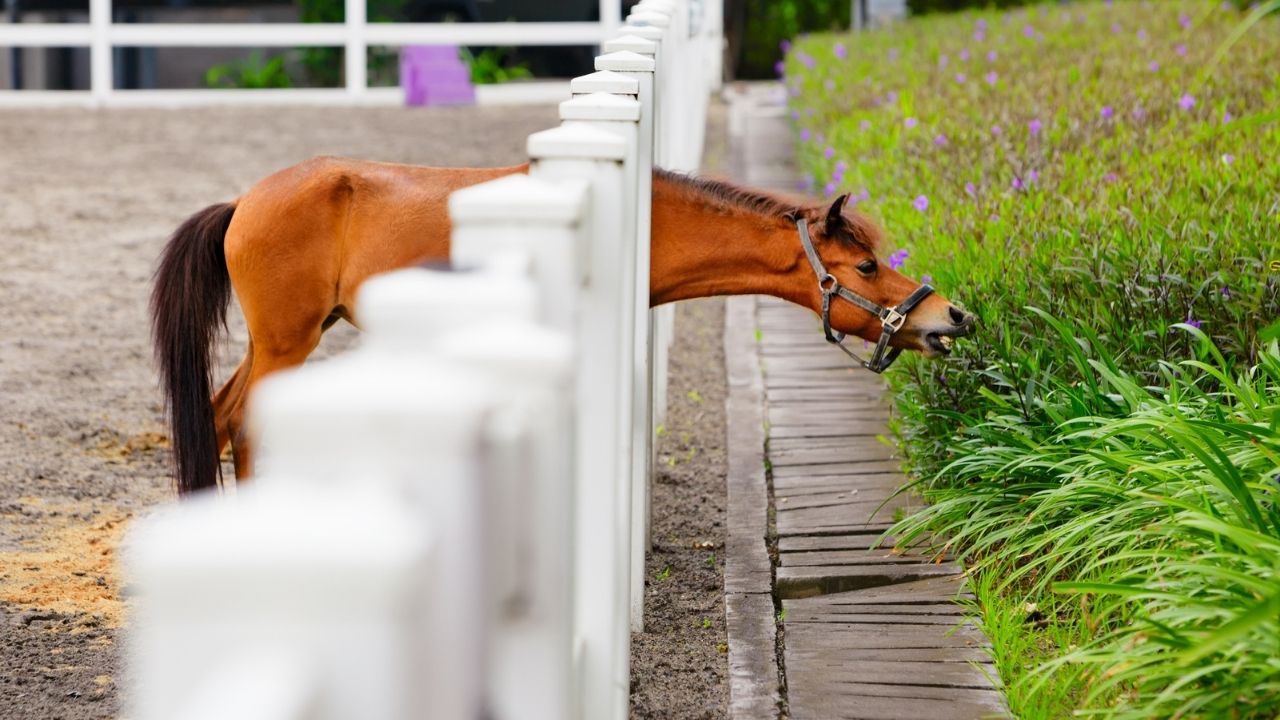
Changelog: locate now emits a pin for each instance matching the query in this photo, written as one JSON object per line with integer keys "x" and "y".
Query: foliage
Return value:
{"x": 771, "y": 22}
{"x": 1094, "y": 162}
{"x": 918, "y": 7}
{"x": 492, "y": 65}
{"x": 252, "y": 72}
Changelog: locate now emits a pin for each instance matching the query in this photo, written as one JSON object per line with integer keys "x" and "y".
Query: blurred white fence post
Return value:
{"x": 534, "y": 216}
{"x": 355, "y": 53}
{"x": 526, "y": 549}
{"x": 580, "y": 151}
{"x": 637, "y": 61}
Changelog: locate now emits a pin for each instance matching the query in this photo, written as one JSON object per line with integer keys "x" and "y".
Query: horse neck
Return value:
{"x": 703, "y": 248}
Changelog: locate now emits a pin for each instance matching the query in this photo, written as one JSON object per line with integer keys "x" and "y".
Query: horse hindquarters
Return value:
{"x": 188, "y": 309}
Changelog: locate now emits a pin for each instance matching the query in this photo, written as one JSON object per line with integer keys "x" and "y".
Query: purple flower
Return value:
{"x": 1228, "y": 158}
{"x": 1107, "y": 112}
{"x": 893, "y": 54}
{"x": 829, "y": 189}
{"x": 991, "y": 78}
{"x": 1154, "y": 66}
{"x": 795, "y": 114}
{"x": 1193, "y": 323}
{"x": 979, "y": 36}
{"x": 1110, "y": 177}
{"x": 1115, "y": 27}
{"x": 829, "y": 152}
{"x": 1017, "y": 183}
{"x": 899, "y": 258}
{"x": 981, "y": 24}
{"x": 1139, "y": 114}
{"x": 1226, "y": 116}
{"x": 804, "y": 134}
{"x": 970, "y": 190}
{"x": 781, "y": 68}
{"x": 921, "y": 203}
{"x": 991, "y": 56}
{"x": 1181, "y": 50}
{"x": 926, "y": 279}
{"x": 940, "y": 140}
{"x": 1187, "y": 101}
{"x": 960, "y": 78}
{"x": 1033, "y": 127}
{"x": 1142, "y": 35}
{"x": 1029, "y": 31}
{"x": 806, "y": 60}
{"x": 942, "y": 61}
{"x": 1225, "y": 291}
{"x": 963, "y": 55}
{"x": 996, "y": 130}
{"x": 864, "y": 125}
{"x": 910, "y": 122}
{"x": 891, "y": 97}
{"x": 1184, "y": 21}
{"x": 785, "y": 45}
{"x": 841, "y": 52}
{"x": 829, "y": 85}
{"x": 865, "y": 195}
{"x": 841, "y": 166}
{"x": 820, "y": 138}
{"x": 1032, "y": 176}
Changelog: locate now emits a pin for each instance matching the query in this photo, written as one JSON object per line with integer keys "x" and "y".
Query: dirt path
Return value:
{"x": 86, "y": 201}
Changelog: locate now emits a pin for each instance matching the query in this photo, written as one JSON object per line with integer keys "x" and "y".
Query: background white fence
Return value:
{"x": 355, "y": 35}
{"x": 450, "y": 521}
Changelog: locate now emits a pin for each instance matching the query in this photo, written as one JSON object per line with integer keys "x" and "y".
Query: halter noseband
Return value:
{"x": 891, "y": 319}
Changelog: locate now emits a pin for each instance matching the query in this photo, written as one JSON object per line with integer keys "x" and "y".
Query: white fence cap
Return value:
{"x": 628, "y": 43}
{"x": 413, "y": 307}
{"x": 648, "y": 32}
{"x": 601, "y": 106}
{"x": 625, "y": 61}
{"x": 520, "y": 198}
{"x": 340, "y": 546}
{"x": 577, "y": 141}
{"x": 664, "y": 6}
{"x": 649, "y": 17}
{"x": 523, "y": 352}
{"x": 606, "y": 81}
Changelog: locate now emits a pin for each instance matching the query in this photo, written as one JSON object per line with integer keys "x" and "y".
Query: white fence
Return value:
{"x": 450, "y": 521}
{"x": 101, "y": 35}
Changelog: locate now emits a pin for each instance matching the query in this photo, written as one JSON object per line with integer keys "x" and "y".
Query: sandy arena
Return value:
{"x": 86, "y": 201}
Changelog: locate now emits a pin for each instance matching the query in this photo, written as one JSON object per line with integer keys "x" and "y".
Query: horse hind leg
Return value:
{"x": 228, "y": 400}
{"x": 262, "y": 360}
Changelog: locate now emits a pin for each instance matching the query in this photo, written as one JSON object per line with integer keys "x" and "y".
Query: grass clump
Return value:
{"x": 1104, "y": 453}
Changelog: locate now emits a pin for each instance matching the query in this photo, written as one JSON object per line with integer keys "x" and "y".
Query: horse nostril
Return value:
{"x": 958, "y": 316}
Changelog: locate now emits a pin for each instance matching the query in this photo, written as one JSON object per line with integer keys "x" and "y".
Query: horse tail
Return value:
{"x": 188, "y": 311}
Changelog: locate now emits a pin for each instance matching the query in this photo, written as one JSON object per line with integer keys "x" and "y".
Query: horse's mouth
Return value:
{"x": 939, "y": 345}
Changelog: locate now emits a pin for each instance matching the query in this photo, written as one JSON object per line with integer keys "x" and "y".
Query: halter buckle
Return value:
{"x": 828, "y": 289}
{"x": 893, "y": 320}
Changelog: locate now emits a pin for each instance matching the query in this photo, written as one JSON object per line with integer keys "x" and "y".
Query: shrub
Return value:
{"x": 1093, "y": 162}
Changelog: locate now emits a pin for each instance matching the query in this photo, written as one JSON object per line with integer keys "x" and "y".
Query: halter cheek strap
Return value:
{"x": 891, "y": 318}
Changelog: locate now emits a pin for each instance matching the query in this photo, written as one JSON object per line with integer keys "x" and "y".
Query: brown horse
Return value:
{"x": 297, "y": 246}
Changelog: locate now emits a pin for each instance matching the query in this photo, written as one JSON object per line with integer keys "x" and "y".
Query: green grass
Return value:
{"x": 1096, "y": 183}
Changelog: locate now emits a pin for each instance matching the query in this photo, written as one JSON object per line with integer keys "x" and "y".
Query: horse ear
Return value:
{"x": 835, "y": 216}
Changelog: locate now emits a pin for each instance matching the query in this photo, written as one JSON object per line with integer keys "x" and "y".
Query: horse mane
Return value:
{"x": 858, "y": 231}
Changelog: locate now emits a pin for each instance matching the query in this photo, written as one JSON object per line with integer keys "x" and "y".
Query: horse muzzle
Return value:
{"x": 937, "y": 339}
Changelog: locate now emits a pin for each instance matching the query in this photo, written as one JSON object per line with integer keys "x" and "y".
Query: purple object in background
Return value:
{"x": 435, "y": 75}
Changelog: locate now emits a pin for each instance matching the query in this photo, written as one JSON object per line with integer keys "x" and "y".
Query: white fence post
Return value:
{"x": 637, "y": 61}
{"x": 356, "y": 50}
{"x": 602, "y": 457}
{"x": 534, "y": 216}
{"x": 101, "y": 72}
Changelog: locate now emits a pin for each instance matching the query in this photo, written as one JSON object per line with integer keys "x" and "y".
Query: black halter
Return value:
{"x": 891, "y": 319}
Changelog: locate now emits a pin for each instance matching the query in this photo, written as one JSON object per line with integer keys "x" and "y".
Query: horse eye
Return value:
{"x": 866, "y": 267}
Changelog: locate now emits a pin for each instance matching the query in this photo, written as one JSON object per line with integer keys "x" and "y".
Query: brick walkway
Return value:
{"x": 852, "y": 631}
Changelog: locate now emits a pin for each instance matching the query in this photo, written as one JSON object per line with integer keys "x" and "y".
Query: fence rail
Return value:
{"x": 450, "y": 521}
{"x": 355, "y": 35}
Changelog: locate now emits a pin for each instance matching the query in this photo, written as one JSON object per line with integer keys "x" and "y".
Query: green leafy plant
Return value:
{"x": 252, "y": 72}
{"x": 1101, "y": 194}
{"x": 493, "y": 65}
